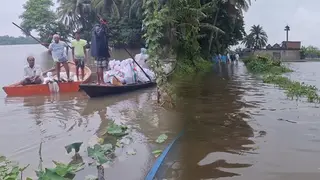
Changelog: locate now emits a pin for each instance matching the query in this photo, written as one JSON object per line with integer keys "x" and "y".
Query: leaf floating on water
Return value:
{"x": 91, "y": 177}
{"x": 157, "y": 153}
{"x": 75, "y": 146}
{"x": 65, "y": 169}
{"x": 131, "y": 151}
{"x": 49, "y": 174}
{"x": 162, "y": 138}
{"x": 116, "y": 130}
{"x": 99, "y": 152}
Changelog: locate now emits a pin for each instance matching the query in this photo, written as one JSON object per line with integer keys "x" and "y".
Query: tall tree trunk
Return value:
{"x": 211, "y": 34}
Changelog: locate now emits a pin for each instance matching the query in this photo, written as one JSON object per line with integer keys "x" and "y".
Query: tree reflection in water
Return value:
{"x": 214, "y": 123}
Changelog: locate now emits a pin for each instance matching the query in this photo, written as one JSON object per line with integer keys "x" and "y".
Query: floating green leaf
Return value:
{"x": 75, "y": 146}
{"x": 8, "y": 169}
{"x": 65, "y": 169}
{"x": 162, "y": 138}
{"x": 49, "y": 174}
{"x": 157, "y": 153}
{"x": 99, "y": 152}
{"x": 116, "y": 130}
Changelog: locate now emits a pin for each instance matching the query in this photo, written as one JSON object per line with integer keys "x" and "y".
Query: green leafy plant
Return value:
{"x": 116, "y": 130}
{"x": 10, "y": 170}
{"x": 162, "y": 138}
{"x": 100, "y": 153}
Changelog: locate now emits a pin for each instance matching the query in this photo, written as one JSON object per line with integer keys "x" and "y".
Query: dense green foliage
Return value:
{"x": 9, "y": 40}
{"x": 272, "y": 71}
{"x": 263, "y": 64}
{"x": 310, "y": 52}
{"x": 190, "y": 32}
{"x": 256, "y": 39}
{"x": 124, "y": 19}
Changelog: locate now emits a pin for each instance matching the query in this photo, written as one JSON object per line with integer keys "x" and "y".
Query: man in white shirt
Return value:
{"x": 60, "y": 55}
{"x": 32, "y": 73}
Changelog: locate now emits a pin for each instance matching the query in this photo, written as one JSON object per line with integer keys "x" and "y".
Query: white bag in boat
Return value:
{"x": 53, "y": 86}
{"x": 129, "y": 75}
{"x": 142, "y": 77}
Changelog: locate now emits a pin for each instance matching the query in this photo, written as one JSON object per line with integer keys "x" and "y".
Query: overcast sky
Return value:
{"x": 303, "y": 17}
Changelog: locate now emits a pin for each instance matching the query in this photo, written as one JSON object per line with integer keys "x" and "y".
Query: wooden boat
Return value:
{"x": 94, "y": 90}
{"x": 43, "y": 89}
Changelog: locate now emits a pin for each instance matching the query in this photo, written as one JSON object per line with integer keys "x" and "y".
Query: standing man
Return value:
{"x": 79, "y": 54}
{"x": 100, "y": 48}
{"x": 59, "y": 55}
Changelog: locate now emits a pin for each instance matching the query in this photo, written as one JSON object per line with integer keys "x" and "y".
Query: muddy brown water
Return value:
{"x": 235, "y": 126}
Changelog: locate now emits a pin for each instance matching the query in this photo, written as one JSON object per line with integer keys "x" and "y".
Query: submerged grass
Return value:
{"x": 272, "y": 71}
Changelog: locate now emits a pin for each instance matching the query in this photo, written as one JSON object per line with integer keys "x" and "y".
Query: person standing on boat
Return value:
{"x": 79, "y": 53}
{"x": 60, "y": 55}
{"x": 100, "y": 48}
{"x": 32, "y": 73}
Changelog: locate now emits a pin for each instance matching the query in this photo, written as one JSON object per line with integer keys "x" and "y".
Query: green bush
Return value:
{"x": 264, "y": 64}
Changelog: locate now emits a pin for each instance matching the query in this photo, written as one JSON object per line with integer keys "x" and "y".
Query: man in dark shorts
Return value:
{"x": 32, "y": 73}
{"x": 79, "y": 53}
{"x": 100, "y": 49}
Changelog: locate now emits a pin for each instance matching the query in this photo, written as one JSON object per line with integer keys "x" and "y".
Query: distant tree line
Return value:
{"x": 309, "y": 52}
{"x": 10, "y": 40}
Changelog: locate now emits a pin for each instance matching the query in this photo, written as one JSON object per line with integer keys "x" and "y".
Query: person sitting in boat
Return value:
{"x": 59, "y": 55}
{"x": 79, "y": 53}
{"x": 32, "y": 73}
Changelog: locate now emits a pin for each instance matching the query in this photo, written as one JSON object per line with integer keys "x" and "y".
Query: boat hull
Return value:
{"x": 43, "y": 89}
{"x": 94, "y": 90}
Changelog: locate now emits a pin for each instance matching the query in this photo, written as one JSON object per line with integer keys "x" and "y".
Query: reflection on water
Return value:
{"x": 215, "y": 123}
{"x": 235, "y": 126}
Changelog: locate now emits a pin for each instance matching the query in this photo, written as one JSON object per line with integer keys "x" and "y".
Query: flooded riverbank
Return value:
{"x": 235, "y": 126}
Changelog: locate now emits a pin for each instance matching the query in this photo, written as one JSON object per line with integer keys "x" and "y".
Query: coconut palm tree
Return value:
{"x": 259, "y": 35}
{"x": 248, "y": 41}
{"x": 73, "y": 13}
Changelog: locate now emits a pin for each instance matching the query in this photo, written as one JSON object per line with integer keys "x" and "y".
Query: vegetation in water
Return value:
{"x": 162, "y": 138}
{"x": 272, "y": 71}
{"x": 101, "y": 154}
{"x": 265, "y": 64}
{"x": 294, "y": 89}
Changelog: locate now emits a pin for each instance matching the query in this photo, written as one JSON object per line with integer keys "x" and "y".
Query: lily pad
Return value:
{"x": 157, "y": 153}
{"x": 162, "y": 138}
{"x": 75, "y": 146}
{"x": 99, "y": 152}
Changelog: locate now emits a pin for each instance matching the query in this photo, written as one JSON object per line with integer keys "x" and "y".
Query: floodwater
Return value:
{"x": 235, "y": 127}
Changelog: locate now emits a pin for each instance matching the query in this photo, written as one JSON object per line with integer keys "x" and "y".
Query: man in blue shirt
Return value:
{"x": 100, "y": 48}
